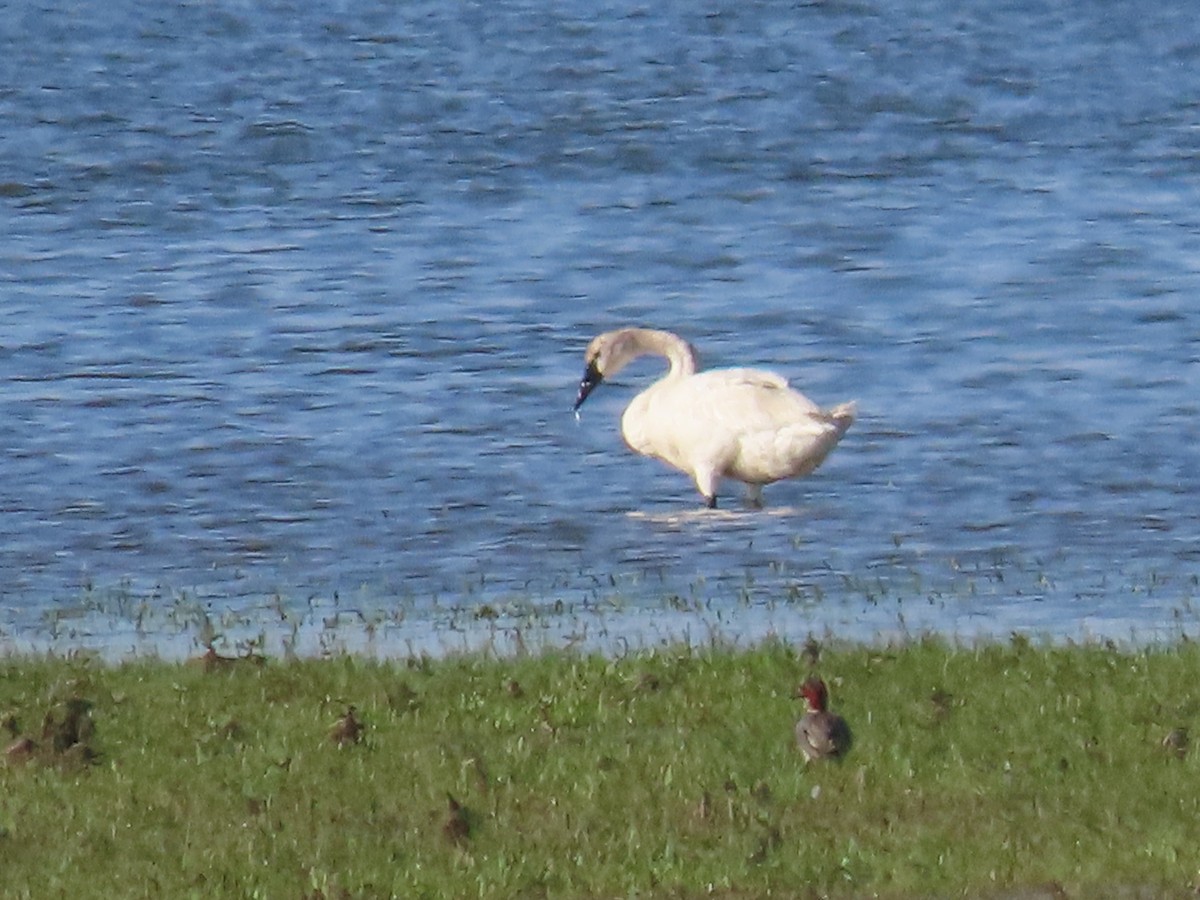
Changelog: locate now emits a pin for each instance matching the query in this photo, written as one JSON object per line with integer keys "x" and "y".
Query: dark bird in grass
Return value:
{"x": 211, "y": 661}
{"x": 820, "y": 734}
{"x": 80, "y": 754}
{"x": 68, "y": 724}
{"x": 1176, "y": 742}
{"x": 457, "y": 827}
{"x": 348, "y": 729}
{"x": 941, "y": 702}
{"x": 20, "y": 751}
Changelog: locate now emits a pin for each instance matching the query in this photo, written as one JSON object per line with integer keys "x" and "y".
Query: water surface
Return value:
{"x": 294, "y": 297}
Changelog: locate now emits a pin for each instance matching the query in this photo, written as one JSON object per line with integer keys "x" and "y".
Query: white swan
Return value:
{"x": 744, "y": 424}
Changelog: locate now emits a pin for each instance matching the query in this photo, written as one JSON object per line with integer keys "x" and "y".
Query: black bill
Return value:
{"x": 591, "y": 378}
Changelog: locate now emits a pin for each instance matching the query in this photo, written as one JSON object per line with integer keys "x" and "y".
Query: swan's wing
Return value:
{"x": 750, "y": 400}
{"x": 760, "y": 430}
{"x": 752, "y": 378}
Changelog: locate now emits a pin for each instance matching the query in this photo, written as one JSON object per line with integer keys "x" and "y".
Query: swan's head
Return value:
{"x": 607, "y": 354}
{"x": 612, "y": 351}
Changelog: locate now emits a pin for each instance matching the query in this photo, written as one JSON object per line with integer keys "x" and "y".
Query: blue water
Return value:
{"x": 293, "y": 299}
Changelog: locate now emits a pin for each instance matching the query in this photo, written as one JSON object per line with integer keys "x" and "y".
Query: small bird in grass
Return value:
{"x": 20, "y": 751}
{"x": 68, "y": 724}
{"x": 457, "y": 826}
{"x": 820, "y": 734}
{"x": 1176, "y": 742}
{"x": 348, "y": 729}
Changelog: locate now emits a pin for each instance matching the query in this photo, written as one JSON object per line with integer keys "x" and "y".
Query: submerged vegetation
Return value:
{"x": 995, "y": 770}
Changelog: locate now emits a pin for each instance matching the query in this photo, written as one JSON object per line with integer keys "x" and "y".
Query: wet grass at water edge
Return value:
{"x": 993, "y": 770}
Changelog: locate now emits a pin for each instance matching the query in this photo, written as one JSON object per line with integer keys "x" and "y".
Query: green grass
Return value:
{"x": 977, "y": 771}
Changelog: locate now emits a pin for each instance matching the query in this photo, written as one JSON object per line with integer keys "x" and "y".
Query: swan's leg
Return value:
{"x": 706, "y": 481}
{"x": 754, "y": 496}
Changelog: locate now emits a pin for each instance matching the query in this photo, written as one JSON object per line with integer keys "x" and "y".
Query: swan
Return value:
{"x": 744, "y": 424}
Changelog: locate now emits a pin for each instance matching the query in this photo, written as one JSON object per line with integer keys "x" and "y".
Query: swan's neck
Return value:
{"x": 679, "y": 353}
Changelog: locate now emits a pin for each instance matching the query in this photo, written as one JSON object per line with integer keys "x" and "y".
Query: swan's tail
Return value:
{"x": 843, "y": 415}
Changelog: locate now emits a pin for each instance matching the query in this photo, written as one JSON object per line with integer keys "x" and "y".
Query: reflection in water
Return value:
{"x": 701, "y": 515}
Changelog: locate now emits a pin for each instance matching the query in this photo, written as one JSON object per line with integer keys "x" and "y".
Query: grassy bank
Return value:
{"x": 1004, "y": 770}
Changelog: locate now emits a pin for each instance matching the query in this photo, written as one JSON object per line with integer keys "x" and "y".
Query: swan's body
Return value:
{"x": 744, "y": 424}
